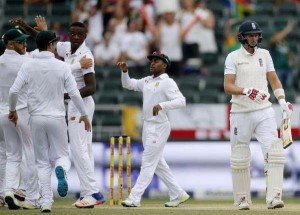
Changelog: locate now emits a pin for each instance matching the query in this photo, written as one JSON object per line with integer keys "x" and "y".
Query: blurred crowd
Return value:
{"x": 185, "y": 30}
{"x": 131, "y": 29}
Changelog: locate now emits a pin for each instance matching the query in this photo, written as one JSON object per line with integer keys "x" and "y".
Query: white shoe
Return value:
{"x": 46, "y": 208}
{"x": 12, "y": 202}
{"x": 130, "y": 203}
{"x": 30, "y": 205}
{"x": 86, "y": 202}
{"x": 78, "y": 200}
{"x": 243, "y": 204}
{"x": 275, "y": 203}
{"x": 176, "y": 202}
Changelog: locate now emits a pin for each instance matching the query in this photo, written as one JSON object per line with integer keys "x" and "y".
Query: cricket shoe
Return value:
{"x": 99, "y": 198}
{"x": 20, "y": 195}
{"x": 46, "y": 208}
{"x": 11, "y": 201}
{"x": 243, "y": 204}
{"x": 275, "y": 203}
{"x": 2, "y": 202}
{"x": 130, "y": 203}
{"x": 176, "y": 202}
{"x": 30, "y": 205}
{"x": 62, "y": 186}
{"x": 86, "y": 202}
{"x": 78, "y": 200}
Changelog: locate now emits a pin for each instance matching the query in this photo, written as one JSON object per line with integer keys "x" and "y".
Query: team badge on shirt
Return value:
{"x": 157, "y": 84}
{"x": 260, "y": 62}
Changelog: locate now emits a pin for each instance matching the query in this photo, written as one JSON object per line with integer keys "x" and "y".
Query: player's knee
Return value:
{"x": 240, "y": 156}
{"x": 276, "y": 153}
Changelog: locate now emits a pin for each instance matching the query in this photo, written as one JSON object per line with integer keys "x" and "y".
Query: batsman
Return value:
{"x": 247, "y": 73}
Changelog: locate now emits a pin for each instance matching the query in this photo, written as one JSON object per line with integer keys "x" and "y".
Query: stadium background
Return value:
{"x": 199, "y": 150}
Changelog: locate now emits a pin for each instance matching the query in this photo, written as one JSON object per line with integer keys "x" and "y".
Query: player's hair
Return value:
{"x": 78, "y": 24}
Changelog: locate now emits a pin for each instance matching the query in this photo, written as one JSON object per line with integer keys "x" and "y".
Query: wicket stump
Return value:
{"x": 120, "y": 167}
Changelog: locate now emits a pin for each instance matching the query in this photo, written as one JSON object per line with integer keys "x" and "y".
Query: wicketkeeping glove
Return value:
{"x": 256, "y": 95}
{"x": 286, "y": 107}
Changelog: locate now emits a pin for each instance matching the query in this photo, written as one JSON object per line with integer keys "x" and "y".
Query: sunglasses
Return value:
{"x": 161, "y": 54}
{"x": 158, "y": 53}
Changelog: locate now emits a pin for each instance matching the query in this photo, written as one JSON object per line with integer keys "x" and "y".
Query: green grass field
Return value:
{"x": 156, "y": 207}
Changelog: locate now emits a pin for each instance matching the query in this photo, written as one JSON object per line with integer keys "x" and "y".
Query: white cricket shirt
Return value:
{"x": 10, "y": 64}
{"x": 64, "y": 50}
{"x": 161, "y": 90}
{"x": 251, "y": 71}
{"x": 46, "y": 78}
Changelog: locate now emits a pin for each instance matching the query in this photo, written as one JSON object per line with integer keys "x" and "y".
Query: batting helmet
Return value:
{"x": 249, "y": 27}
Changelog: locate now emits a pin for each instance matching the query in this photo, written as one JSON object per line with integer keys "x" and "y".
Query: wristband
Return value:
{"x": 281, "y": 102}
{"x": 279, "y": 92}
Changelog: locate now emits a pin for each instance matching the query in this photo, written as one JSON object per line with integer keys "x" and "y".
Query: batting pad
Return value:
{"x": 240, "y": 166}
{"x": 275, "y": 159}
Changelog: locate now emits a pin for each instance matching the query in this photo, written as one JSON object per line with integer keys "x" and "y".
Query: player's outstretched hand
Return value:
{"x": 87, "y": 124}
{"x": 13, "y": 117}
{"x": 86, "y": 63}
{"x": 123, "y": 66}
{"x": 18, "y": 21}
{"x": 259, "y": 96}
{"x": 41, "y": 24}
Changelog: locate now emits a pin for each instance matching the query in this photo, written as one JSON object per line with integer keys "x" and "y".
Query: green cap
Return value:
{"x": 160, "y": 55}
{"x": 46, "y": 37}
{"x": 15, "y": 35}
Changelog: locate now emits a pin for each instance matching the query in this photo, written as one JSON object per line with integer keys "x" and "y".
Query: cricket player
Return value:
{"x": 160, "y": 94}
{"x": 80, "y": 140}
{"x": 2, "y": 147}
{"x": 47, "y": 78}
{"x": 17, "y": 138}
{"x": 247, "y": 72}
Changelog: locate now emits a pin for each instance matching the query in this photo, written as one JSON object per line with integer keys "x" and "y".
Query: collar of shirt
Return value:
{"x": 162, "y": 76}
{"x": 80, "y": 49}
{"x": 11, "y": 52}
{"x": 246, "y": 52}
{"x": 43, "y": 54}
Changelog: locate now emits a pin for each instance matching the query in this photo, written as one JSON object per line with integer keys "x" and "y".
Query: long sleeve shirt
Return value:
{"x": 161, "y": 90}
{"x": 46, "y": 78}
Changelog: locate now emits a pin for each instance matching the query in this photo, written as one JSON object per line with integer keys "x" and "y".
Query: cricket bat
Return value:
{"x": 285, "y": 131}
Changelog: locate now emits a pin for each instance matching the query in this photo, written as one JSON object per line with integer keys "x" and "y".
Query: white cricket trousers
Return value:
{"x": 19, "y": 143}
{"x": 81, "y": 148}
{"x": 2, "y": 162}
{"x": 155, "y": 136}
{"x": 50, "y": 140}
{"x": 3, "y": 159}
{"x": 261, "y": 124}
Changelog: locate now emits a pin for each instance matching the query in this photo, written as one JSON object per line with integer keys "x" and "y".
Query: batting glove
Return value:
{"x": 256, "y": 95}
{"x": 286, "y": 107}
